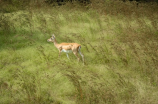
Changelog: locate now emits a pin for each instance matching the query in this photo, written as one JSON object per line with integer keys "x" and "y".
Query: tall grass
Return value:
{"x": 119, "y": 44}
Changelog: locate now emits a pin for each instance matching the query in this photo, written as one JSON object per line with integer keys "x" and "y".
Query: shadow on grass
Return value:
{"x": 17, "y": 41}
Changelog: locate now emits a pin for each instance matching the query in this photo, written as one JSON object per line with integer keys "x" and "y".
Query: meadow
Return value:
{"x": 119, "y": 42}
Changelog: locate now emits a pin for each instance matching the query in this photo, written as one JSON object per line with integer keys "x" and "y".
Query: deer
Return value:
{"x": 67, "y": 48}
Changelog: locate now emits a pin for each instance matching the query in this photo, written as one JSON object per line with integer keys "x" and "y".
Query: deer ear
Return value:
{"x": 53, "y": 35}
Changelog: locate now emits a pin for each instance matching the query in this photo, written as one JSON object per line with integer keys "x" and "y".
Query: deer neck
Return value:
{"x": 55, "y": 43}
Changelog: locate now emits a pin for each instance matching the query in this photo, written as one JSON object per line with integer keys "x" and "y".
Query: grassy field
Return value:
{"x": 119, "y": 44}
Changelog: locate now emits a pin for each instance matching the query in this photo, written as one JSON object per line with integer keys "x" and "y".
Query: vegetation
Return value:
{"x": 119, "y": 41}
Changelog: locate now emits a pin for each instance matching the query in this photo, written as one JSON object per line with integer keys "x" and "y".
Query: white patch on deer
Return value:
{"x": 66, "y": 51}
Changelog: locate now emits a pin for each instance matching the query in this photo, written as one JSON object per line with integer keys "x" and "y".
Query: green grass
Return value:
{"x": 120, "y": 56}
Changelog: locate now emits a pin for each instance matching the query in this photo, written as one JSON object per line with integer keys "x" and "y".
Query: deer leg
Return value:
{"x": 82, "y": 56}
{"x": 59, "y": 53}
{"x": 67, "y": 55}
{"x": 76, "y": 56}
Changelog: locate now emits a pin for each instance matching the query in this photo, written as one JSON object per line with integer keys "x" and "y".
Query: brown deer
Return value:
{"x": 67, "y": 48}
